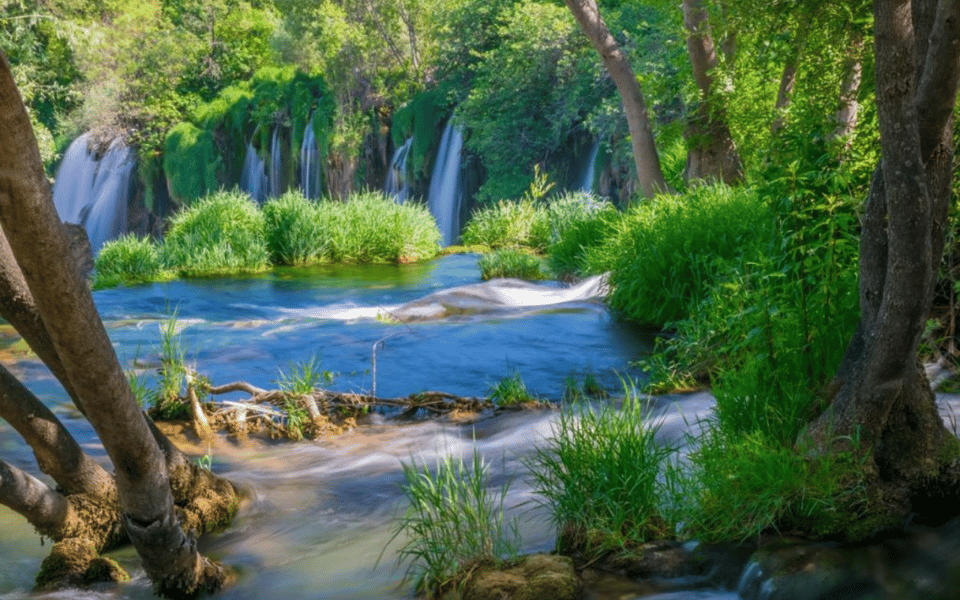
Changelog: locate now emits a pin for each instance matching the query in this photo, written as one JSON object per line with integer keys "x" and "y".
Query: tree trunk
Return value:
{"x": 848, "y": 111}
{"x": 32, "y": 227}
{"x": 712, "y": 154}
{"x": 645, "y": 155}
{"x": 881, "y": 396}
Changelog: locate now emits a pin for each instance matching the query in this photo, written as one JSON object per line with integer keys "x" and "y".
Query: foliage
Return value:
{"x": 563, "y": 212}
{"x": 668, "y": 251}
{"x": 370, "y": 227}
{"x": 295, "y": 233}
{"x": 510, "y": 391}
{"x": 168, "y": 401}
{"x": 221, "y": 233}
{"x": 603, "y": 476}
{"x": 511, "y": 262}
{"x": 740, "y": 486}
{"x": 127, "y": 260}
{"x": 303, "y": 378}
{"x": 454, "y": 520}
{"x": 501, "y": 225}
{"x": 190, "y": 162}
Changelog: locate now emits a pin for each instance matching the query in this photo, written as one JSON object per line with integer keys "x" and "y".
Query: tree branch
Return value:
{"x": 44, "y": 508}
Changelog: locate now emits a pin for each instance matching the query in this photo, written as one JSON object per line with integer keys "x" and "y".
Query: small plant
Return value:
{"x": 454, "y": 520}
{"x": 511, "y": 390}
{"x": 127, "y": 260}
{"x": 605, "y": 478}
{"x": 511, "y": 262}
{"x": 303, "y": 378}
{"x": 296, "y": 418}
{"x": 169, "y": 402}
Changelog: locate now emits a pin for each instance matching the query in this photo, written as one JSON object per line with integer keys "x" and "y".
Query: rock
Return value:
{"x": 533, "y": 577}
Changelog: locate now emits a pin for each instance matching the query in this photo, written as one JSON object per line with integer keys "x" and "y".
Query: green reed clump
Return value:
{"x": 296, "y": 235}
{"x": 127, "y": 260}
{"x": 168, "y": 402}
{"x": 605, "y": 478}
{"x": 667, "y": 251}
{"x": 739, "y": 486}
{"x": 502, "y": 225}
{"x": 219, "y": 234}
{"x": 370, "y": 227}
{"x": 454, "y": 520}
{"x": 511, "y": 262}
{"x": 557, "y": 215}
{"x": 303, "y": 378}
{"x": 511, "y": 390}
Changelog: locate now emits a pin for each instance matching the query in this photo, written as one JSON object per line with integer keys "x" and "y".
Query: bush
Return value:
{"x": 219, "y": 234}
{"x": 741, "y": 486}
{"x": 668, "y": 250}
{"x": 128, "y": 260}
{"x": 370, "y": 227}
{"x": 504, "y": 224}
{"x": 295, "y": 234}
{"x": 511, "y": 262}
{"x": 604, "y": 477}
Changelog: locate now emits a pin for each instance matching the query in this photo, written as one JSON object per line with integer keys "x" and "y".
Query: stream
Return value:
{"x": 321, "y": 515}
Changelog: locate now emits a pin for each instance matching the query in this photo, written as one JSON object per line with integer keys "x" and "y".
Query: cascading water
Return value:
{"x": 253, "y": 178}
{"x": 586, "y": 183}
{"x": 445, "y": 190}
{"x": 310, "y": 168}
{"x": 95, "y": 192}
{"x": 276, "y": 165}
{"x": 398, "y": 182}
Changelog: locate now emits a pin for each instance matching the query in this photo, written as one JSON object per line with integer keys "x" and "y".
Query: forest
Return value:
{"x": 771, "y": 191}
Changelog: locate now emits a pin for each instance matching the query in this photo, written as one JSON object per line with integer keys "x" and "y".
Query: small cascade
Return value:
{"x": 276, "y": 165}
{"x": 586, "y": 183}
{"x": 310, "y": 168}
{"x": 398, "y": 182}
{"x": 95, "y": 192}
{"x": 253, "y": 178}
{"x": 445, "y": 190}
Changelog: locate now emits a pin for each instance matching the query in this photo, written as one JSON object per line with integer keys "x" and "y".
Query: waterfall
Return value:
{"x": 586, "y": 184}
{"x": 95, "y": 192}
{"x": 253, "y": 178}
{"x": 276, "y": 165}
{"x": 310, "y": 168}
{"x": 445, "y": 191}
{"x": 398, "y": 182}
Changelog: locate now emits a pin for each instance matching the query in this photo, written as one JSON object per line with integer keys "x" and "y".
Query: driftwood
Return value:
{"x": 282, "y": 413}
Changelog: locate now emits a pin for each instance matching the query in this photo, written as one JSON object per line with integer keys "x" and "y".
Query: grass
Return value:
{"x": 295, "y": 234}
{"x": 506, "y": 224}
{"x": 604, "y": 476}
{"x": 220, "y": 234}
{"x": 303, "y": 378}
{"x": 511, "y": 262}
{"x": 127, "y": 260}
{"x": 454, "y": 520}
{"x": 511, "y": 390}
{"x": 168, "y": 400}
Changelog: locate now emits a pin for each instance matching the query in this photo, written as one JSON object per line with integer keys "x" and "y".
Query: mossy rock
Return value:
{"x": 533, "y": 577}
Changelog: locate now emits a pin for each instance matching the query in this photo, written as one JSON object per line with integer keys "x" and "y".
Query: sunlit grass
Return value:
{"x": 127, "y": 260}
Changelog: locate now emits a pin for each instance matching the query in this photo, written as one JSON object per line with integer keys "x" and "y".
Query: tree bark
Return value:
{"x": 712, "y": 154}
{"x": 32, "y": 227}
{"x": 881, "y": 395}
{"x": 645, "y": 155}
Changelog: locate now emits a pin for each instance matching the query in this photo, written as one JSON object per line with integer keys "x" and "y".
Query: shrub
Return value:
{"x": 219, "y": 234}
{"x": 128, "y": 260}
{"x": 504, "y": 224}
{"x": 604, "y": 476}
{"x": 667, "y": 251}
{"x": 370, "y": 227}
{"x": 511, "y": 262}
{"x": 454, "y": 520}
{"x": 295, "y": 234}
{"x": 741, "y": 486}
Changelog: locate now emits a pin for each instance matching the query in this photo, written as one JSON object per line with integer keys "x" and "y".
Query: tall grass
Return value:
{"x": 502, "y": 225}
{"x": 511, "y": 262}
{"x": 296, "y": 235}
{"x": 604, "y": 476}
{"x": 220, "y": 234}
{"x": 454, "y": 520}
{"x": 667, "y": 251}
{"x": 127, "y": 260}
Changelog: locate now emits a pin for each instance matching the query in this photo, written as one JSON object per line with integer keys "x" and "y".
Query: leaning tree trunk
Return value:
{"x": 880, "y": 395}
{"x": 32, "y": 227}
{"x": 713, "y": 154}
{"x": 645, "y": 155}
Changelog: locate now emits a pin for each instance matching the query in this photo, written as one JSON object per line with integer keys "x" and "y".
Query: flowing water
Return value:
{"x": 446, "y": 192}
{"x": 321, "y": 513}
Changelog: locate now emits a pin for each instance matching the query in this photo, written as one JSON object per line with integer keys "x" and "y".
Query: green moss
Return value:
{"x": 949, "y": 451}
{"x": 420, "y": 118}
{"x": 190, "y": 162}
